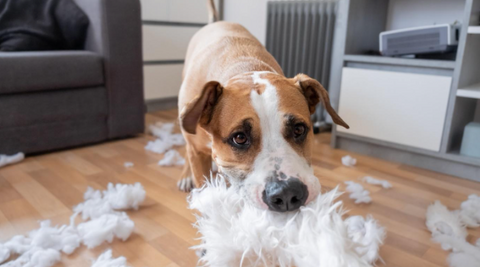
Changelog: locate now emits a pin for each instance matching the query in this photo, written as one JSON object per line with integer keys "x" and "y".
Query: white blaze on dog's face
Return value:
{"x": 262, "y": 137}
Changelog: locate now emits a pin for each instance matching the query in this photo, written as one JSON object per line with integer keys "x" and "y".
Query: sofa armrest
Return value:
{"x": 115, "y": 33}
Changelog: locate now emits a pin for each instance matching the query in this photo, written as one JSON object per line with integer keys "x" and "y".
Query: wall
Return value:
{"x": 423, "y": 12}
{"x": 252, "y": 14}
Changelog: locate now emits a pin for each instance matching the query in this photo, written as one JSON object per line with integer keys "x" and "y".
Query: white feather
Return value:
{"x": 96, "y": 231}
{"x": 462, "y": 259}
{"x": 124, "y": 196}
{"x": 172, "y": 158}
{"x": 374, "y": 181}
{"x": 368, "y": 234}
{"x": 42, "y": 247}
{"x": 11, "y": 159}
{"x": 358, "y": 193}
{"x": 4, "y": 253}
{"x": 166, "y": 139}
{"x": 470, "y": 211}
{"x": 440, "y": 220}
{"x": 235, "y": 233}
{"x": 349, "y": 161}
{"x": 106, "y": 260}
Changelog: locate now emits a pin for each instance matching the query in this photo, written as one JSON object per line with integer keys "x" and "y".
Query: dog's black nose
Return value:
{"x": 285, "y": 195}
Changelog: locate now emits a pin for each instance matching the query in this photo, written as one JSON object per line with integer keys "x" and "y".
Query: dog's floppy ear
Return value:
{"x": 200, "y": 109}
{"x": 314, "y": 93}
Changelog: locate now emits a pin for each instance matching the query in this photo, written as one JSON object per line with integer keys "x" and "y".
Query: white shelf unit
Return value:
{"x": 472, "y": 91}
{"x": 474, "y": 29}
{"x": 356, "y": 46}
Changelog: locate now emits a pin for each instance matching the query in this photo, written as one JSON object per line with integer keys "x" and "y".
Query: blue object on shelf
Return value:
{"x": 471, "y": 140}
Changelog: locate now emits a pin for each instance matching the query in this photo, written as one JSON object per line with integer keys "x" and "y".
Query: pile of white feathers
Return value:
{"x": 234, "y": 233}
{"x": 102, "y": 223}
{"x": 165, "y": 143}
{"x": 449, "y": 228}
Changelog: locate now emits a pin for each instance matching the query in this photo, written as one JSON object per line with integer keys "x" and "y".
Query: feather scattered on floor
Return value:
{"x": 128, "y": 164}
{"x": 441, "y": 221}
{"x": 448, "y": 229}
{"x": 172, "y": 158}
{"x": 358, "y": 193}
{"x": 166, "y": 139}
{"x": 235, "y": 233}
{"x": 165, "y": 143}
{"x": 470, "y": 211}
{"x": 12, "y": 159}
{"x": 368, "y": 234}
{"x": 370, "y": 180}
{"x": 106, "y": 260}
{"x": 42, "y": 247}
{"x": 462, "y": 259}
{"x": 349, "y": 161}
{"x": 103, "y": 229}
{"x": 116, "y": 197}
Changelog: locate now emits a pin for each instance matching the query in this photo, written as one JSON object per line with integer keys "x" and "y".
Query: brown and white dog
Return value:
{"x": 239, "y": 110}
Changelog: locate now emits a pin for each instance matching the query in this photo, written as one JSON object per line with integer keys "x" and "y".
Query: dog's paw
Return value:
{"x": 185, "y": 184}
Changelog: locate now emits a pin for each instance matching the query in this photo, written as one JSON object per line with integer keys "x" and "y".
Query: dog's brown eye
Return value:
{"x": 299, "y": 130}
{"x": 240, "y": 139}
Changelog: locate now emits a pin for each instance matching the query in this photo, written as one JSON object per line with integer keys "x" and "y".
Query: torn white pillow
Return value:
{"x": 234, "y": 233}
{"x": 12, "y": 159}
{"x": 358, "y": 193}
{"x": 349, "y": 161}
{"x": 370, "y": 180}
{"x": 106, "y": 260}
{"x": 172, "y": 158}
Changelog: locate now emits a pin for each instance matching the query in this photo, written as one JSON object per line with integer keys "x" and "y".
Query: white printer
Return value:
{"x": 439, "y": 38}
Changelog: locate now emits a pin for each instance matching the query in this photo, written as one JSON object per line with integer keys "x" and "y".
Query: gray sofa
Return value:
{"x": 57, "y": 99}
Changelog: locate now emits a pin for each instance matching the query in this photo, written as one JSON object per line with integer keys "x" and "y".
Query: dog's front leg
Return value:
{"x": 197, "y": 168}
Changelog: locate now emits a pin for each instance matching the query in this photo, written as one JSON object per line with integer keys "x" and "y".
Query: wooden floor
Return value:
{"x": 48, "y": 186}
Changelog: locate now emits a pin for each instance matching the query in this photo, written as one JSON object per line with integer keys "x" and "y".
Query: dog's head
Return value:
{"x": 262, "y": 135}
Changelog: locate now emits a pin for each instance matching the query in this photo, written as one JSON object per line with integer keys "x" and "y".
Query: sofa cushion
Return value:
{"x": 19, "y": 110}
{"x": 39, "y": 71}
{"x": 52, "y": 136}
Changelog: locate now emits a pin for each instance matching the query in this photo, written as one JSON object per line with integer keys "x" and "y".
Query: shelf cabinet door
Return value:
{"x": 402, "y": 108}
{"x": 166, "y": 42}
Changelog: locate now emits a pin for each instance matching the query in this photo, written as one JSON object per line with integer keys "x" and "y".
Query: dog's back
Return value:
{"x": 218, "y": 52}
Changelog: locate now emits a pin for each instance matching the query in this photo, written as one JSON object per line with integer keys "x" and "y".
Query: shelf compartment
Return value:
{"x": 472, "y": 91}
{"x": 474, "y": 29}
{"x": 413, "y": 62}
